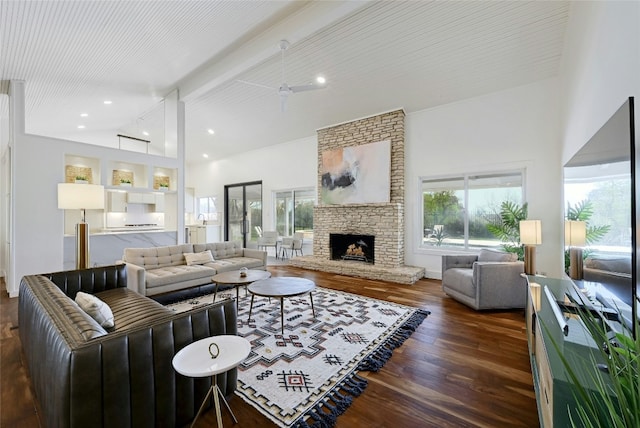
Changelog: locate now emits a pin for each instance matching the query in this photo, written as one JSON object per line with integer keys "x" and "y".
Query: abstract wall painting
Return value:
{"x": 357, "y": 174}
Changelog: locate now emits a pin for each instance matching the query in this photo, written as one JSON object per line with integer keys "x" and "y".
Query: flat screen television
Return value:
{"x": 603, "y": 177}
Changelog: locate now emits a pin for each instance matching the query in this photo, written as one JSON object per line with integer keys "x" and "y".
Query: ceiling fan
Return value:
{"x": 285, "y": 89}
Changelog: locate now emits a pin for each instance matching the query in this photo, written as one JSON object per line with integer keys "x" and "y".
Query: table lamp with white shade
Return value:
{"x": 530, "y": 236}
{"x": 575, "y": 237}
{"x": 81, "y": 197}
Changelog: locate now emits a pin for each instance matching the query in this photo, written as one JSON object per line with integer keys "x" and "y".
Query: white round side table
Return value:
{"x": 209, "y": 357}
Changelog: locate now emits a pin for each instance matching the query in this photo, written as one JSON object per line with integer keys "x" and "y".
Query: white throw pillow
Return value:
{"x": 198, "y": 258}
{"x": 96, "y": 308}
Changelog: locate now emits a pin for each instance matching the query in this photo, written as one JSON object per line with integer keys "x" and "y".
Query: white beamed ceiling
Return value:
{"x": 376, "y": 55}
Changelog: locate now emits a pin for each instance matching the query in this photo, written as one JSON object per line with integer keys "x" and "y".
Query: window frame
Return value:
{"x": 419, "y": 227}
{"x": 212, "y": 202}
{"x": 292, "y": 192}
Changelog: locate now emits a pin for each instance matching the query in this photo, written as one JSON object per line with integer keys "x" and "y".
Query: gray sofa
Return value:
{"x": 87, "y": 376}
{"x": 614, "y": 275}
{"x": 159, "y": 270}
{"x": 608, "y": 270}
{"x": 490, "y": 280}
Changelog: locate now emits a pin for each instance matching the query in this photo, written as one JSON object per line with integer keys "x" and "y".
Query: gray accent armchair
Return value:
{"x": 489, "y": 280}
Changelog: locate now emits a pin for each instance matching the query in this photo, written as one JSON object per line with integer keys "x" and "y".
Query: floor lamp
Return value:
{"x": 530, "y": 236}
{"x": 575, "y": 236}
{"x": 81, "y": 197}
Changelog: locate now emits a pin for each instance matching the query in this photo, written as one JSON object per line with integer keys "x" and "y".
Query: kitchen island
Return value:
{"x": 107, "y": 248}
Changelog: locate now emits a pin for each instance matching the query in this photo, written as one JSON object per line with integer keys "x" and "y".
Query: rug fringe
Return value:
{"x": 325, "y": 413}
{"x": 335, "y": 403}
{"x": 381, "y": 355}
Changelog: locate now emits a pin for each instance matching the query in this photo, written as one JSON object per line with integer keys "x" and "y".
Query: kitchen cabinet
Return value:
{"x": 117, "y": 202}
{"x": 134, "y": 198}
{"x": 159, "y": 201}
{"x": 197, "y": 234}
{"x": 203, "y": 234}
{"x": 141, "y": 198}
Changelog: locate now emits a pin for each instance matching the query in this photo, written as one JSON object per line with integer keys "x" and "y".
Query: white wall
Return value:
{"x": 601, "y": 67}
{"x": 512, "y": 129}
{"x": 5, "y": 190}
{"x": 285, "y": 166}
{"x": 38, "y": 224}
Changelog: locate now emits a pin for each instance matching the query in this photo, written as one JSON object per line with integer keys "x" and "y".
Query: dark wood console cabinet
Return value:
{"x": 550, "y": 333}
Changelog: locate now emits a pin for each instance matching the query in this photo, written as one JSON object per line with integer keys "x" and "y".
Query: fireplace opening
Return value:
{"x": 352, "y": 247}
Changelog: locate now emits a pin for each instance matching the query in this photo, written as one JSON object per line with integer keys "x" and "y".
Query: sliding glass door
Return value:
{"x": 294, "y": 211}
{"x": 243, "y": 212}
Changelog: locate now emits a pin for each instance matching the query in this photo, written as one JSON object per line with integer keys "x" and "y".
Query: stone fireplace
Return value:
{"x": 385, "y": 221}
{"x": 347, "y": 246}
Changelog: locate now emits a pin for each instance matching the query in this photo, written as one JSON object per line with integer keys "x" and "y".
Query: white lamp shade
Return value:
{"x": 575, "y": 233}
{"x": 73, "y": 196}
{"x": 531, "y": 232}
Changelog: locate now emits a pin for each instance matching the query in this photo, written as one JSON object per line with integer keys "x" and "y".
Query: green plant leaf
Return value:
{"x": 582, "y": 211}
{"x": 508, "y": 229}
{"x": 595, "y": 233}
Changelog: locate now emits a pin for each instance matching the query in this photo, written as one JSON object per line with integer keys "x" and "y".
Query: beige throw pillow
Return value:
{"x": 96, "y": 308}
{"x": 198, "y": 258}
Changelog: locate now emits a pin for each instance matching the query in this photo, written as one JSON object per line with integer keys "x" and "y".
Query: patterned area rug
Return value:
{"x": 308, "y": 376}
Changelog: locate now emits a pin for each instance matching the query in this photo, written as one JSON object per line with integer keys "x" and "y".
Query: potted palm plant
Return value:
{"x": 507, "y": 228}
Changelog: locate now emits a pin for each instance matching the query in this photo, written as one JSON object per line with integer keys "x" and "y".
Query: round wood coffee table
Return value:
{"x": 233, "y": 277}
{"x": 281, "y": 287}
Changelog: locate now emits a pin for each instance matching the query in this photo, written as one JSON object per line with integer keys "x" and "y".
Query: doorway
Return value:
{"x": 243, "y": 212}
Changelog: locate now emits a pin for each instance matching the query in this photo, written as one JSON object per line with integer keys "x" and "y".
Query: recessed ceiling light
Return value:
{"x": 321, "y": 80}
{"x": 84, "y": 114}
{"x": 80, "y": 126}
{"x": 211, "y": 131}
{"x": 204, "y": 155}
{"x": 107, "y": 102}
{"x": 145, "y": 133}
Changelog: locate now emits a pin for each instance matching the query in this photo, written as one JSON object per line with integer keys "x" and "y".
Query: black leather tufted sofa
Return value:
{"x": 84, "y": 376}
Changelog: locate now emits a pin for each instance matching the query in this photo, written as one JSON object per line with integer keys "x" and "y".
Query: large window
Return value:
{"x": 294, "y": 211}
{"x": 207, "y": 209}
{"x": 456, "y": 210}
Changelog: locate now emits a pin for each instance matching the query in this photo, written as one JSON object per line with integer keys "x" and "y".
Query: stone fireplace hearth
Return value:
{"x": 385, "y": 221}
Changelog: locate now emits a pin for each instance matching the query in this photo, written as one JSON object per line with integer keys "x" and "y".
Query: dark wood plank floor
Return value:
{"x": 461, "y": 368}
